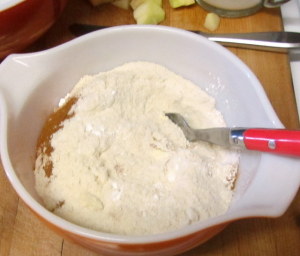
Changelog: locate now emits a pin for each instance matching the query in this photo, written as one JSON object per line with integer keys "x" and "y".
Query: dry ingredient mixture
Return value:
{"x": 115, "y": 163}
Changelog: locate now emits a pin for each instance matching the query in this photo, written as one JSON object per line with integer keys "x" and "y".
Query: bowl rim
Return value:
{"x": 107, "y": 237}
{"x": 6, "y": 4}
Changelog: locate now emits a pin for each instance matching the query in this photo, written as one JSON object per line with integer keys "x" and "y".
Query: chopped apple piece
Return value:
{"x": 123, "y": 4}
{"x": 212, "y": 21}
{"x": 136, "y": 3}
{"x": 179, "y": 3}
{"x": 98, "y": 2}
{"x": 149, "y": 13}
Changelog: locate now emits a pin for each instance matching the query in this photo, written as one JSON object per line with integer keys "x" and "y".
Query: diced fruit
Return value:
{"x": 179, "y": 3}
{"x": 98, "y": 2}
{"x": 212, "y": 21}
{"x": 123, "y": 4}
{"x": 136, "y": 3}
{"x": 149, "y": 13}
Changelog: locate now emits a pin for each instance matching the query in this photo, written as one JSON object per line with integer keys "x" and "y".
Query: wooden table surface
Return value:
{"x": 21, "y": 233}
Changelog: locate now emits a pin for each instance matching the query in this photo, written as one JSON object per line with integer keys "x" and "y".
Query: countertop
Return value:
{"x": 21, "y": 233}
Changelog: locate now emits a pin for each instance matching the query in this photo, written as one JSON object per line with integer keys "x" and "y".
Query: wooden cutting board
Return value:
{"x": 21, "y": 233}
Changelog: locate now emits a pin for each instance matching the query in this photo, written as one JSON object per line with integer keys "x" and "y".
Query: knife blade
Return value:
{"x": 279, "y": 41}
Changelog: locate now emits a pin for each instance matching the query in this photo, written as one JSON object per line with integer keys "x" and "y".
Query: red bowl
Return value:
{"x": 24, "y": 21}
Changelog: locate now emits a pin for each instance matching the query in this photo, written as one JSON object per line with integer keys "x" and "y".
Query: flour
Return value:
{"x": 119, "y": 165}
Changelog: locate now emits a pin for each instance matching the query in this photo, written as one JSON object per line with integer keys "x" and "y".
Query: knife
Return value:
{"x": 280, "y": 41}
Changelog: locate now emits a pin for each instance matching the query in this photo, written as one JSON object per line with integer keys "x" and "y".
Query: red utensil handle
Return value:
{"x": 279, "y": 141}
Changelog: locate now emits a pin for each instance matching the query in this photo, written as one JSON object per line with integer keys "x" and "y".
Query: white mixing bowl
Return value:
{"x": 32, "y": 84}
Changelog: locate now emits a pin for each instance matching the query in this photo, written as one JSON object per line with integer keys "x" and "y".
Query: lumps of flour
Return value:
{"x": 119, "y": 165}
